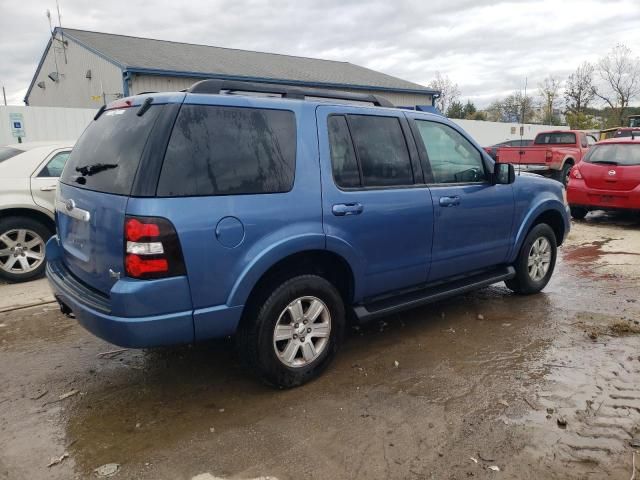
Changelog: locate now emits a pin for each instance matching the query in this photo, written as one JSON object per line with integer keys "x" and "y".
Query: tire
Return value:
{"x": 579, "y": 212}
{"x": 21, "y": 232}
{"x": 526, "y": 281}
{"x": 563, "y": 175}
{"x": 271, "y": 360}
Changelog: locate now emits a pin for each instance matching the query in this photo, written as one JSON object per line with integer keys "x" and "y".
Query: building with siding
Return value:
{"x": 80, "y": 68}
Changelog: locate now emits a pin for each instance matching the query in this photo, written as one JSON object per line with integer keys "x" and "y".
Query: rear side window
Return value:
{"x": 215, "y": 150}
{"x": 7, "y": 152}
{"x": 343, "y": 156}
{"x": 107, "y": 155}
{"x": 381, "y": 150}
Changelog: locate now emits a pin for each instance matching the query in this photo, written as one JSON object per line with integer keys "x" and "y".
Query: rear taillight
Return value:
{"x": 152, "y": 248}
{"x": 548, "y": 156}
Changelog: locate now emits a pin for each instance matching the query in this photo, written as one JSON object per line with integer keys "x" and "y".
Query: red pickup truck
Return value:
{"x": 552, "y": 153}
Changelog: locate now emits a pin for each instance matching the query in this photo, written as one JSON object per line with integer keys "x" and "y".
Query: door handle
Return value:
{"x": 449, "y": 201}
{"x": 342, "y": 209}
{"x": 48, "y": 188}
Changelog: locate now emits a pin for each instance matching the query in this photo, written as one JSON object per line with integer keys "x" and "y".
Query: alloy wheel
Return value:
{"x": 21, "y": 251}
{"x": 302, "y": 331}
{"x": 539, "y": 259}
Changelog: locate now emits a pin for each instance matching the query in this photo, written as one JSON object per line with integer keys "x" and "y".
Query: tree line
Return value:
{"x": 593, "y": 96}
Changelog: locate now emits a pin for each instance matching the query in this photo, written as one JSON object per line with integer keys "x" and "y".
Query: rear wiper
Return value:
{"x": 88, "y": 170}
{"x": 607, "y": 162}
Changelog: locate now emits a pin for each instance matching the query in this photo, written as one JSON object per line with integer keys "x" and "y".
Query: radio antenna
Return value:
{"x": 64, "y": 45}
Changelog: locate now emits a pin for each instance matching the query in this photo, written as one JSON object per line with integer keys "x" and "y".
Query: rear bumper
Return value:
{"x": 532, "y": 167}
{"x": 579, "y": 195}
{"x": 136, "y": 313}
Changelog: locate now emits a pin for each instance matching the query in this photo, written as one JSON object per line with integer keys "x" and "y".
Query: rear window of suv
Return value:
{"x": 107, "y": 155}
{"x": 219, "y": 150}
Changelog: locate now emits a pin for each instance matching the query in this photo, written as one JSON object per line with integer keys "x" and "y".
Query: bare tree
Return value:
{"x": 620, "y": 72}
{"x": 449, "y": 91}
{"x": 548, "y": 91}
{"x": 579, "y": 93}
{"x": 516, "y": 108}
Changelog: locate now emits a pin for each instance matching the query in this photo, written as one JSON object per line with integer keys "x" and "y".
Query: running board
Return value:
{"x": 416, "y": 298}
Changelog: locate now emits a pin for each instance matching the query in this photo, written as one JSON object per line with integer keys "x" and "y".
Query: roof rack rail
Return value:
{"x": 215, "y": 86}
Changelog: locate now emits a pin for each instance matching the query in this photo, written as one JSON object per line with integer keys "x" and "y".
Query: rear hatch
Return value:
{"x": 612, "y": 166}
{"x": 92, "y": 198}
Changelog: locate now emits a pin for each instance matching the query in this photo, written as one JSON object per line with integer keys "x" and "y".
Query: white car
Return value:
{"x": 28, "y": 180}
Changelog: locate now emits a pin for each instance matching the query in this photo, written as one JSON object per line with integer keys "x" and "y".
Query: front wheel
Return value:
{"x": 294, "y": 334}
{"x": 536, "y": 261}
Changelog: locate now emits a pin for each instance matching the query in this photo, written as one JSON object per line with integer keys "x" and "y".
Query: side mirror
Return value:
{"x": 503, "y": 174}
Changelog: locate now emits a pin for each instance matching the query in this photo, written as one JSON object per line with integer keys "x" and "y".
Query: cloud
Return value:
{"x": 487, "y": 48}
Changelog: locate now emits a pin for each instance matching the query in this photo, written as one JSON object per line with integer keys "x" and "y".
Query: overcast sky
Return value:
{"x": 486, "y": 47}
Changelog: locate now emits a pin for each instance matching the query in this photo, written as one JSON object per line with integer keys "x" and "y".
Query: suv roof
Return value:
{"x": 265, "y": 90}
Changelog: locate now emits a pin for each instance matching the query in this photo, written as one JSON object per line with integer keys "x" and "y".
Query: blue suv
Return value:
{"x": 275, "y": 214}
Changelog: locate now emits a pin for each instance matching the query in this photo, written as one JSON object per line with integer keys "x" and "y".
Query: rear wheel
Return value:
{"x": 291, "y": 336}
{"x": 563, "y": 175}
{"x": 22, "y": 248}
{"x": 536, "y": 261}
{"x": 579, "y": 212}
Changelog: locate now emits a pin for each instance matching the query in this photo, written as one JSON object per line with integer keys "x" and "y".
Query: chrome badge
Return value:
{"x": 612, "y": 173}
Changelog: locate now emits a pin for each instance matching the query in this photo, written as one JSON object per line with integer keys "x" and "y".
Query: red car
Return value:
{"x": 607, "y": 178}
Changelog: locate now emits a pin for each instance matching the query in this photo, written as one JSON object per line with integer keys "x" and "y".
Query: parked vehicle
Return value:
{"x": 552, "y": 154}
{"x": 28, "y": 177}
{"x": 493, "y": 149}
{"x": 608, "y": 178}
{"x": 188, "y": 216}
{"x": 627, "y": 132}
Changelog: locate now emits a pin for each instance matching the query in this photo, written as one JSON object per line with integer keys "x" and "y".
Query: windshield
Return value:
{"x": 107, "y": 155}
{"x": 556, "y": 138}
{"x": 7, "y": 152}
{"x": 615, "y": 154}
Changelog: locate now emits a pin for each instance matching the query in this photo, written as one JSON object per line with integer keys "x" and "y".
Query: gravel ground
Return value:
{"x": 546, "y": 386}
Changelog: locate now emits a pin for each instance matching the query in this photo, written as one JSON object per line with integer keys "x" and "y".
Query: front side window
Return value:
{"x": 382, "y": 151}
{"x": 216, "y": 150}
{"x": 452, "y": 157}
{"x": 55, "y": 166}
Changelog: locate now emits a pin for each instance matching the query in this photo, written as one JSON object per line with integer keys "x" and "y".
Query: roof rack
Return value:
{"x": 215, "y": 86}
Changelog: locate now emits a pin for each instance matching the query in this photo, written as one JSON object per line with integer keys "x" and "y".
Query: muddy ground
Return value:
{"x": 481, "y": 381}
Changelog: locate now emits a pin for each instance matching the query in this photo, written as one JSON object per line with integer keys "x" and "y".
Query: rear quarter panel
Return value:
{"x": 273, "y": 226}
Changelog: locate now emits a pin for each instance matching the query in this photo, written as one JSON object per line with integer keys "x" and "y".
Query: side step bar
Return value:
{"x": 375, "y": 309}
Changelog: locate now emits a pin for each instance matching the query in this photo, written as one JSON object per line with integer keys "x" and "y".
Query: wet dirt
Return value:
{"x": 444, "y": 391}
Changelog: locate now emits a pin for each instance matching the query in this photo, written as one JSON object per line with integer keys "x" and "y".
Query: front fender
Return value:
{"x": 544, "y": 202}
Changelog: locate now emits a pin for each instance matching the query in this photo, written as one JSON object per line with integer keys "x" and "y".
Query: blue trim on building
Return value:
{"x": 92, "y": 50}
{"x": 35, "y": 75}
{"x": 176, "y": 73}
{"x": 46, "y": 50}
